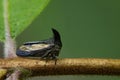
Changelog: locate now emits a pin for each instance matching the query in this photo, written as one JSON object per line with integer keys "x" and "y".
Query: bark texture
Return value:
{"x": 67, "y": 66}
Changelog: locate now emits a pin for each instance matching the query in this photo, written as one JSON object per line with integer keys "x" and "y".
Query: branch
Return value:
{"x": 66, "y": 66}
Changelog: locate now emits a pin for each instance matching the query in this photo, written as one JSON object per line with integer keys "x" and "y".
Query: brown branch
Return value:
{"x": 66, "y": 66}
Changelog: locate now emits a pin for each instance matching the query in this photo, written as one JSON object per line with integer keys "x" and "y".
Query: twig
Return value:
{"x": 65, "y": 66}
{"x": 9, "y": 49}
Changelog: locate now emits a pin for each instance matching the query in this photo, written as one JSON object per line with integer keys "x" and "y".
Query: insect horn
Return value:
{"x": 56, "y": 36}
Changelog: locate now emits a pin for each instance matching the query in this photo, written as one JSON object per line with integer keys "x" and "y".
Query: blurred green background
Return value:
{"x": 89, "y": 29}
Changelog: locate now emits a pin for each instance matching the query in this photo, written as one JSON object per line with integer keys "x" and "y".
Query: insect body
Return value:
{"x": 46, "y": 49}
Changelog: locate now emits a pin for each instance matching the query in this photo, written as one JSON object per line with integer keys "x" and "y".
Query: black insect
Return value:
{"x": 45, "y": 49}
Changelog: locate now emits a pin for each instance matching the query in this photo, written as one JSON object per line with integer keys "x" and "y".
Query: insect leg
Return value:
{"x": 46, "y": 54}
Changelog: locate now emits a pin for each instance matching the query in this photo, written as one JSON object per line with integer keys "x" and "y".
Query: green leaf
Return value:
{"x": 1, "y": 22}
{"x": 21, "y": 14}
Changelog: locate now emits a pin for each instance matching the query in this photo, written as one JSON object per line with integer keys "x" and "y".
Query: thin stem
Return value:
{"x": 14, "y": 76}
{"x": 9, "y": 49}
{"x": 65, "y": 66}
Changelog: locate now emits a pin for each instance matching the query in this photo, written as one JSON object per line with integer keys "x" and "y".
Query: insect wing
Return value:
{"x": 34, "y": 50}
